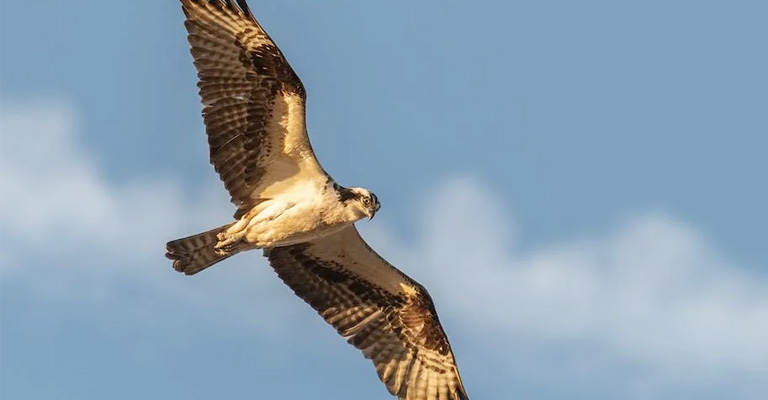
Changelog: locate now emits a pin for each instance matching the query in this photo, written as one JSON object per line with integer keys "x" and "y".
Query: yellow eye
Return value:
{"x": 366, "y": 201}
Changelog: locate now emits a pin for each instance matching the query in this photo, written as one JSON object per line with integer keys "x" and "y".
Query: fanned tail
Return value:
{"x": 195, "y": 253}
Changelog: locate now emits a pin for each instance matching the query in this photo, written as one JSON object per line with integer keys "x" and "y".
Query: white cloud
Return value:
{"x": 67, "y": 231}
{"x": 51, "y": 182}
{"x": 650, "y": 297}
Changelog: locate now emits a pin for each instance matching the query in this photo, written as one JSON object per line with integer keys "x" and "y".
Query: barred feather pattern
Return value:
{"x": 195, "y": 253}
{"x": 396, "y": 329}
{"x": 253, "y": 101}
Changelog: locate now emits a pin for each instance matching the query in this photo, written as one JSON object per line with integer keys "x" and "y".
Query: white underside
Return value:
{"x": 302, "y": 213}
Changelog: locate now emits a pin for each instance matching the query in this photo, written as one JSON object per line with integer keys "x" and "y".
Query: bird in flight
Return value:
{"x": 288, "y": 206}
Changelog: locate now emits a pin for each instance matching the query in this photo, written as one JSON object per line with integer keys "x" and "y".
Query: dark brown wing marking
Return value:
{"x": 253, "y": 100}
{"x": 381, "y": 311}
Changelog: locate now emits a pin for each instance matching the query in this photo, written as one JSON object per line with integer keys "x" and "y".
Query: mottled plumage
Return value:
{"x": 287, "y": 205}
{"x": 380, "y": 310}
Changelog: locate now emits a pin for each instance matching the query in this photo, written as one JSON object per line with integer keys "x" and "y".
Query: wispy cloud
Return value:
{"x": 69, "y": 232}
{"x": 650, "y": 296}
{"x": 645, "y": 310}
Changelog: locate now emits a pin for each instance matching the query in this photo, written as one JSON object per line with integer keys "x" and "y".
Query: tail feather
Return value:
{"x": 195, "y": 253}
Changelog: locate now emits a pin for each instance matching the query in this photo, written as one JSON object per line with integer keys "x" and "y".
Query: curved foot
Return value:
{"x": 228, "y": 242}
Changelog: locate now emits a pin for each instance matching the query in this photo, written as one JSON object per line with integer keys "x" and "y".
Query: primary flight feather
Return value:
{"x": 287, "y": 205}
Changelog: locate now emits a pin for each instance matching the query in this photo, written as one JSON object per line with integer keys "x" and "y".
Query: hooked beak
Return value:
{"x": 373, "y": 212}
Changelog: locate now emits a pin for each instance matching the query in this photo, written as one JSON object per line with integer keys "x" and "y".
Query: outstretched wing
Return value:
{"x": 382, "y": 312}
{"x": 254, "y": 104}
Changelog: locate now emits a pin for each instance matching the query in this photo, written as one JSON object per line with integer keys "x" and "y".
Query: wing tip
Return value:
{"x": 241, "y": 8}
{"x": 245, "y": 9}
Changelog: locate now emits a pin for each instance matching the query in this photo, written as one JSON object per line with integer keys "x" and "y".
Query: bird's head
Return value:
{"x": 362, "y": 202}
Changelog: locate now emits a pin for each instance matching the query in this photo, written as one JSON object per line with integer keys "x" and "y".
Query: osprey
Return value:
{"x": 288, "y": 206}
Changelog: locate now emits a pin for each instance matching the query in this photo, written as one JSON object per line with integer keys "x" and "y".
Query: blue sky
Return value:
{"x": 577, "y": 184}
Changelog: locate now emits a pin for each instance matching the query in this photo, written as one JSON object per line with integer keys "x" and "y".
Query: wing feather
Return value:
{"x": 253, "y": 102}
{"x": 380, "y": 310}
